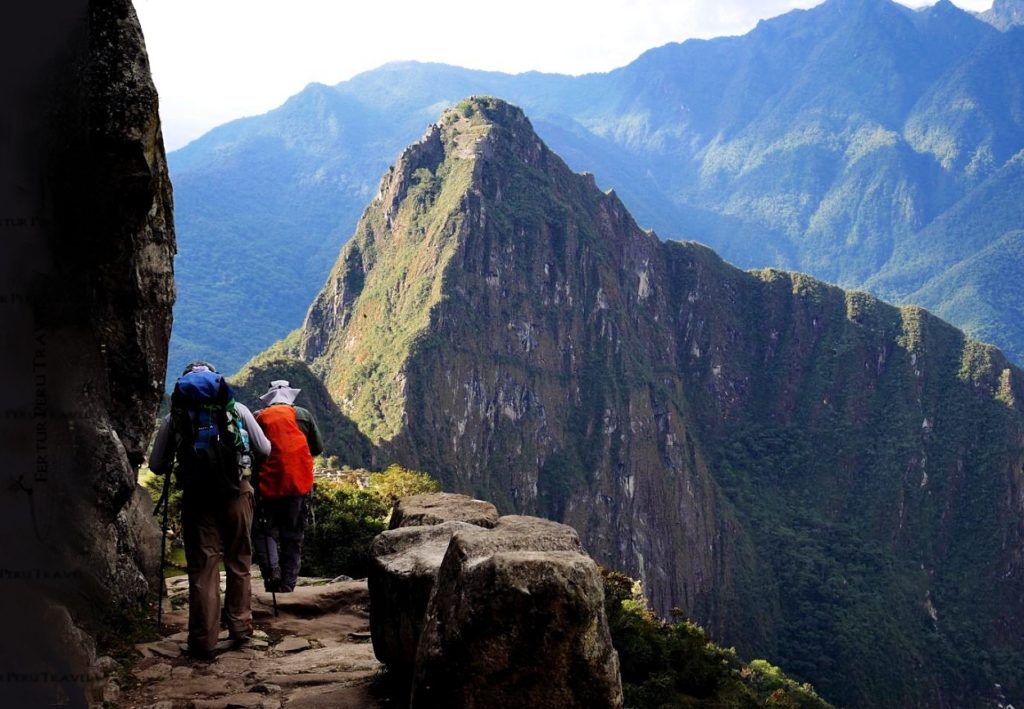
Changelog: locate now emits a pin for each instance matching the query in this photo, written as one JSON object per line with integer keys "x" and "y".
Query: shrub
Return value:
{"x": 673, "y": 664}
{"x": 347, "y": 516}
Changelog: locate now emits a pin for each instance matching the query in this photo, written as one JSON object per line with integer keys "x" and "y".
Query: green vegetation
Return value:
{"x": 409, "y": 252}
{"x": 668, "y": 665}
{"x": 984, "y": 294}
{"x": 348, "y": 514}
{"x": 849, "y": 560}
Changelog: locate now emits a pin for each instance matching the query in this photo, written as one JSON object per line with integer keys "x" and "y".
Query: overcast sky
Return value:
{"x": 216, "y": 60}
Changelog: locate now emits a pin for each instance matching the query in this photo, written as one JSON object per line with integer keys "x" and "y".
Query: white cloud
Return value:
{"x": 215, "y": 61}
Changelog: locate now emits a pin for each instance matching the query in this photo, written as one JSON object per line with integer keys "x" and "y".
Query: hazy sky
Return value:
{"x": 216, "y": 60}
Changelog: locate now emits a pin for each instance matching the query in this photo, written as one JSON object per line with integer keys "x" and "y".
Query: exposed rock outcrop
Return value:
{"x": 1004, "y": 14}
{"x": 87, "y": 321}
{"x": 522, "y": 628}
{"x": 506, "y": 616}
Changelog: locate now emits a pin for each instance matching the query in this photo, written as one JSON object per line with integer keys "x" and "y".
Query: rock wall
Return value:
{"x": 86, "y": 257}
{"x": 505, "y": 612}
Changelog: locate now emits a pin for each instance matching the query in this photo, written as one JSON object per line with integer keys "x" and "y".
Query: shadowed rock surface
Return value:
{"x": 518, "y": 629}
{"x": 517, "y": 619}
{"x": 85, "y": 347}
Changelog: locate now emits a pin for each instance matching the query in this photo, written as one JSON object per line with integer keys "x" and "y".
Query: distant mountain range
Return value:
{"x": 815, "y": 476}
{"x": 859, "y": 141}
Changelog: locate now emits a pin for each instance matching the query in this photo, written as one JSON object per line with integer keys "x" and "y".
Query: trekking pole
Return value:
{"x": 266, "y": 551}
{"x": 273, "y": 593}
{"x": 265, "y": 529}
{"x": 312, "y": 506}
{"x": 166, "y": 502}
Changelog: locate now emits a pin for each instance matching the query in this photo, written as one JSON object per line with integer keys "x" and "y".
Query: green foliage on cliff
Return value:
{"x": 673, "y": 664}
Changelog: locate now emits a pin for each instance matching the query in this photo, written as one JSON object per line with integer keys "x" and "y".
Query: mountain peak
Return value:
{"x": 491, "y": 110}
{"x": 476, "y": 203}
{"x": 484, "y": 126}
{"x": 1004, "y": 14}
{"x": 477, "y": 129}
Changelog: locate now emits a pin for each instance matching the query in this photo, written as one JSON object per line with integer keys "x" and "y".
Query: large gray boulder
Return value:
{"x": 401, "y": 580}
{"x": 517, "y": 629}
{"x": 517, "y": 619}
{"x": 505, "y": 612}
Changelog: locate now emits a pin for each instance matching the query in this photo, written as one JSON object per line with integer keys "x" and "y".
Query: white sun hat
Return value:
{"x": 280, "y": 393}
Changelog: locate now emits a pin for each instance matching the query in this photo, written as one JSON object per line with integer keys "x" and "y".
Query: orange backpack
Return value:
{"x": 288, "y": 471}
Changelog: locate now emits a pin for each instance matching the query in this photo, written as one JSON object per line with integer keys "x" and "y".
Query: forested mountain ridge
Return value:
{"x": 859, "y": 141}
{"x": 813, "y": 475}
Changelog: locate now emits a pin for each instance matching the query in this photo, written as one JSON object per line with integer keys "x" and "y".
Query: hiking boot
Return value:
{"x": 197, "y": 653}
{"x": 236, "y": 643}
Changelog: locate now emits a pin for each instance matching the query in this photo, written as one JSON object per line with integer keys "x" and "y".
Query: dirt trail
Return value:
{"x": 315, "y": 653}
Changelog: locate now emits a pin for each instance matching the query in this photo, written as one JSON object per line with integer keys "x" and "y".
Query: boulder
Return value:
{"x": 437, "y": 507}
{"x": 401, "y": 579}
{"x": 517, "y": 628}
{"x": 514, "y": 533}
{"x": 476, "y": 610}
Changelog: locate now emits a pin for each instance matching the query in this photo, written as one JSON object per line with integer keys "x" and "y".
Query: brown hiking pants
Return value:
{"x": 213, "y": 529}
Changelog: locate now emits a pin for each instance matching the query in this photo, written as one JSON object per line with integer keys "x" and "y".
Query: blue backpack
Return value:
{"x": 212, "y": 445}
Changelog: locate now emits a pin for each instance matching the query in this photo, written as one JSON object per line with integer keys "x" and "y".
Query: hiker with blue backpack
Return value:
{"x": 208, "y": 441}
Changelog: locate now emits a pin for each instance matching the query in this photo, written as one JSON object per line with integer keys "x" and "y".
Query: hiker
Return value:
{"x": 283, "y": 481}
{"x": 208, "y": 439}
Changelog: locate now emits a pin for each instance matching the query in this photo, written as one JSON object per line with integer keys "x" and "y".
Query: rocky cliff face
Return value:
{"x": 88, "y": 314}
{"x": 1004, "y": 14}
{"x": 812, "y": 474}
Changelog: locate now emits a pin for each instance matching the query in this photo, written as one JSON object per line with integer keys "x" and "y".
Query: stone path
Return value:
{"x": 315, "y": 653}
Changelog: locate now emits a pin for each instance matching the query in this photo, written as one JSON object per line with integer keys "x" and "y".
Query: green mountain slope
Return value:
{"x": 828, "y": 141}
{"x": 984, "y": 291}
{"x": 815, "y": 476}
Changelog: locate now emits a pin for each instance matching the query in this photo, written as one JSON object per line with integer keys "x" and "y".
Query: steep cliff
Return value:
{"x": 1004, "y": 14}
{"x": 812, "y": 474}
{"x": 88, "y": 268}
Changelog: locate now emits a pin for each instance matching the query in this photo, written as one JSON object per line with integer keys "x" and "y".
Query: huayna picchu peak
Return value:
{"x": 815, "y": 476}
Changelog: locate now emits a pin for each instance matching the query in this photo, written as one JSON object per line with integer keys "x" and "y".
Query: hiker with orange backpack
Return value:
{"x": 208, "y": 440}
{"x": 284, "y": 481}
